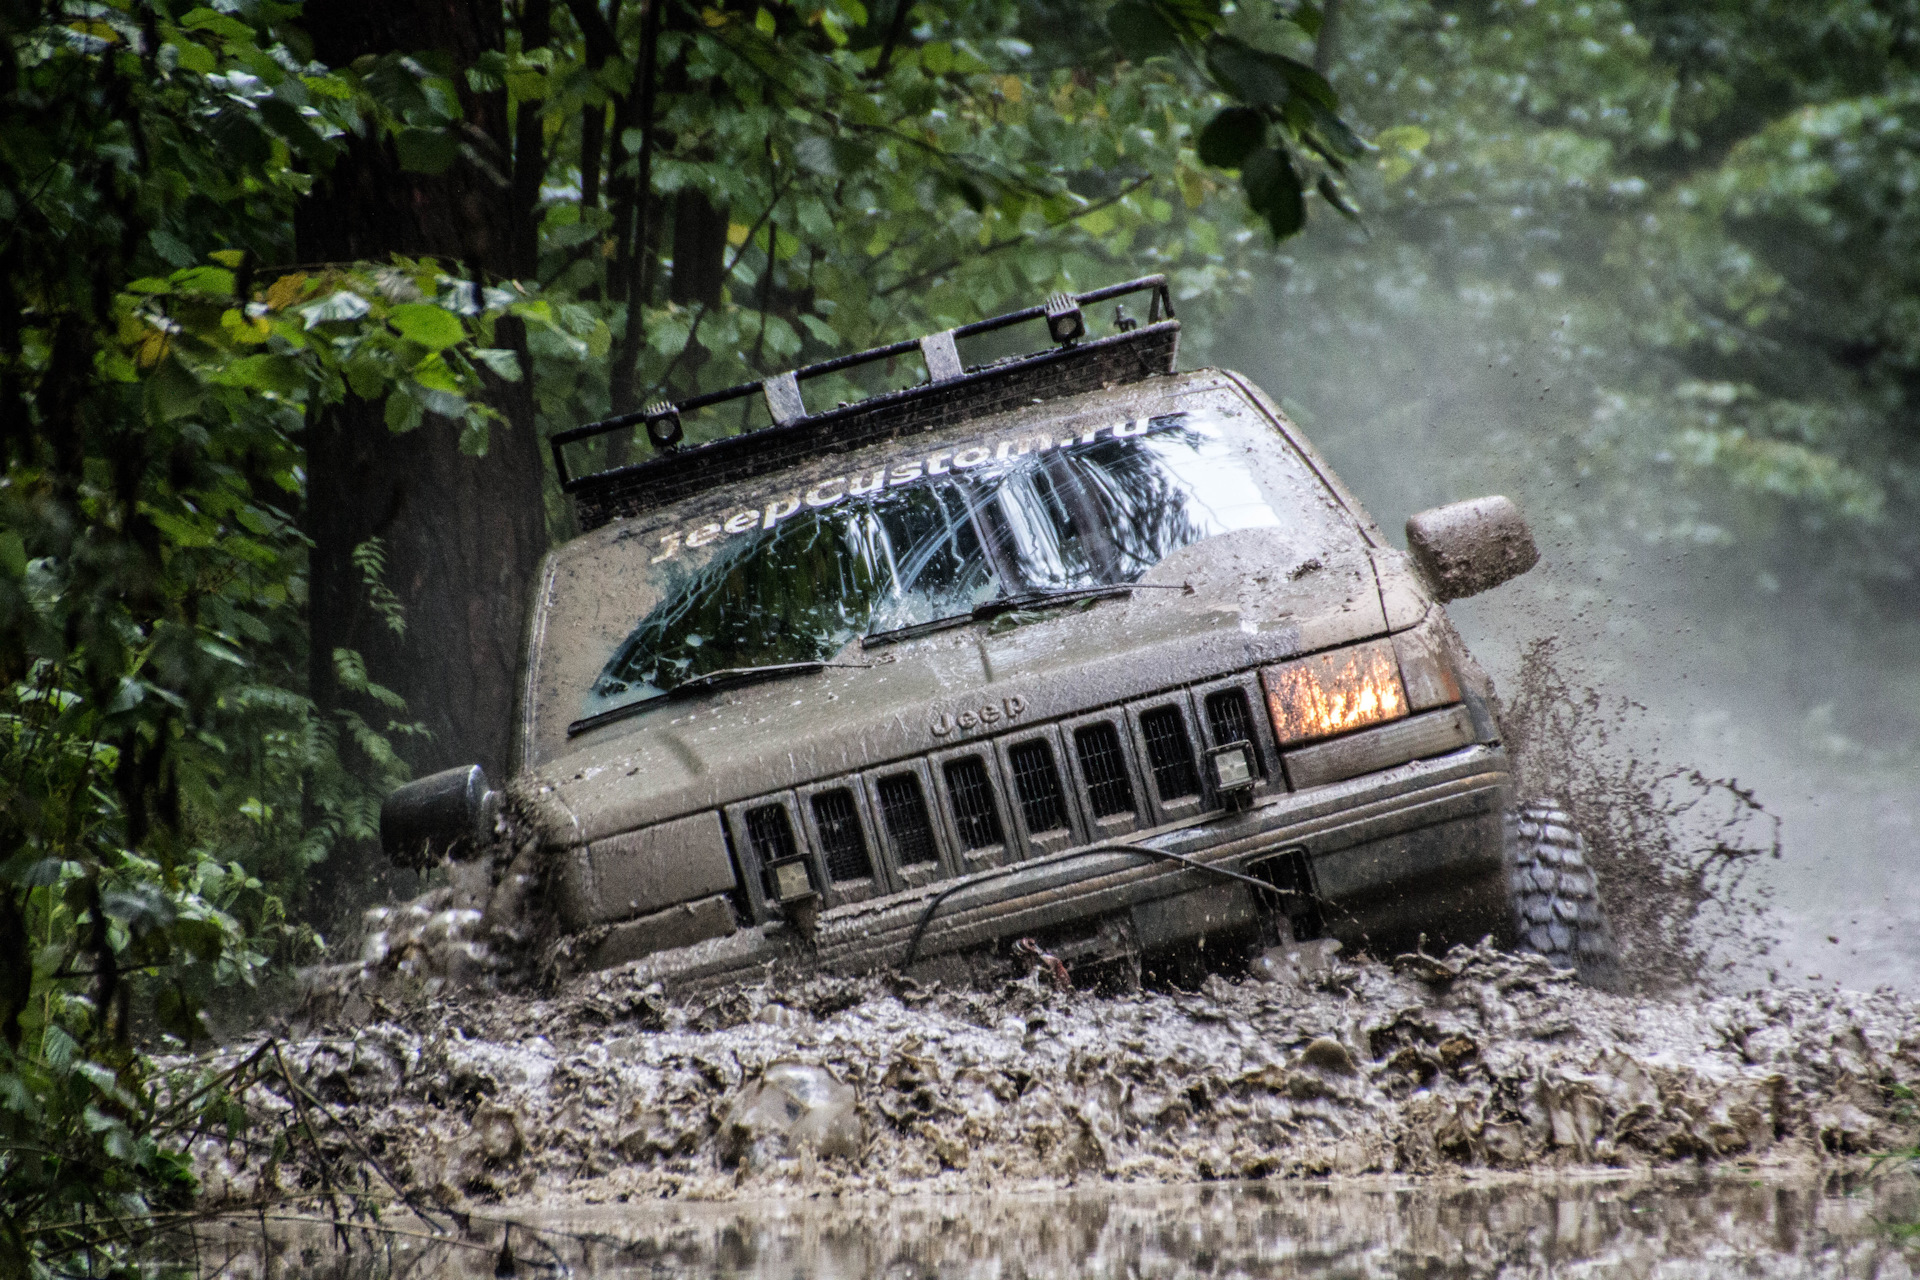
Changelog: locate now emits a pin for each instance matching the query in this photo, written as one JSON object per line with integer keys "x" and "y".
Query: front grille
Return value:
{"x": 1105, "y": 769}
{"x": 904, "y": 810}
{"x": 974, "y": 812}
{"x": 771, "y": 833}
{"x": 1227, "y": 716}
{"x": 841, "y": 839}
{"x": 1034, "y": 778}
{"x": 1169, "y": 752}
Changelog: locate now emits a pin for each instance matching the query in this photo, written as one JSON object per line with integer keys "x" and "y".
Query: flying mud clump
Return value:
{"x": 1427, "y": 1064}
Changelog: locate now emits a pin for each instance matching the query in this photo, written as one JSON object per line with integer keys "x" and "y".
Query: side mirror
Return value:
{"x": 1465, "y": 548}
{"x": 444, "y": 814}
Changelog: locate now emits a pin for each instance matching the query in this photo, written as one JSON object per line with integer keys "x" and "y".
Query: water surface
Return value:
{"x": 1628, "y": 1227}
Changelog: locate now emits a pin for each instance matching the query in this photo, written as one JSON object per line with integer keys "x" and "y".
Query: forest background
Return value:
{"x": 293, "y": 298}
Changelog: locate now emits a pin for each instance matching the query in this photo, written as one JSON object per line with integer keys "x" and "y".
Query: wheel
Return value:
{"x": 1556, "y": 897}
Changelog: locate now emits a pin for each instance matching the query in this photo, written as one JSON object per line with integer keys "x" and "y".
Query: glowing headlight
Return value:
{"x": 1334, "y": 692}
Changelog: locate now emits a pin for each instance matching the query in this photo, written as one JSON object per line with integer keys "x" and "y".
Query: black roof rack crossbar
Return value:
{"x": 782, "y": 391}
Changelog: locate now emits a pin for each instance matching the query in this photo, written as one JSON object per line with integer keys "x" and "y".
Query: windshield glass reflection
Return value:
{"x": 801, "y": 584}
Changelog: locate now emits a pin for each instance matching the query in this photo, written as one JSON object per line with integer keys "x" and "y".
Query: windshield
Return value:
{"x": 931, "y": 539}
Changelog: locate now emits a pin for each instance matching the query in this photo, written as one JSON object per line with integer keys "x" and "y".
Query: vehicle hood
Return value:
{"x": 1222, "y": 605}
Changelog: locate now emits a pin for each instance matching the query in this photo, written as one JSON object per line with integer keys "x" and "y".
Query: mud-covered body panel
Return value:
{"x": 1258, "y": 596}
{"x": 1409, "y": 845}
{"x": 1413, "y": 849}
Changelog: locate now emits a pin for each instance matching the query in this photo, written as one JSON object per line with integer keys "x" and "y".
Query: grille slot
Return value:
{"x": 974, "y": 812}
{"x": 1230, "y": 721}
{"x": 770, "y": 832}
{"x": 841, "y": 839}
{"x": 1038, "y": 784}
{"x": 1105, "y": 768}
{"x": 904, "y": 810}
{"x": 1170, "y": 753}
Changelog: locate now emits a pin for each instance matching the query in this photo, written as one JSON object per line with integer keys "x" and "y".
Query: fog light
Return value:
{"x": 1335, "y": 692}
{"x": 1231, "y": 768}
{"x": 790, "y": 882}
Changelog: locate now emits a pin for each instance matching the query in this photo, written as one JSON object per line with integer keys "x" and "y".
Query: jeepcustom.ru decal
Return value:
{"x": 889, "y": 474}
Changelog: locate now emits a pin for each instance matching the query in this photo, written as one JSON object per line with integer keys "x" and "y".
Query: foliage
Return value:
{"x": 167, "y": 779}
{"x": 1695, "y": 222}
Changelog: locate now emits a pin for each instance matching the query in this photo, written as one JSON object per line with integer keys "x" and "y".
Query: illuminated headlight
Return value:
{"x": 1335, "y": 692}
{"x": 1231, "y": 769}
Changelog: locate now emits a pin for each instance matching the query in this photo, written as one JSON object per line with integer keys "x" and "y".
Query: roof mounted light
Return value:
{"x": 1065, "y": 323}
{"x": 946, "y": 373}
{"x": 663, "y": 426}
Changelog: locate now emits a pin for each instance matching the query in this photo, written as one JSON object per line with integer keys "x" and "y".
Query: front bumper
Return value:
{"x": 1406, "y": 850}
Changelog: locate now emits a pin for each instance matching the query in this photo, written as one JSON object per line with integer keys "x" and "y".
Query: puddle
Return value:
{"x": 1642, "y": 1228}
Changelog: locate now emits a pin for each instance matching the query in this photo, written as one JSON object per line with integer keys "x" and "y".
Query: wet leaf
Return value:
{"x": 335, "y": 307}
{"x": 1231, "y": 136}
{"x": 1273, "y": 191}
{"x": 429, "y": 325}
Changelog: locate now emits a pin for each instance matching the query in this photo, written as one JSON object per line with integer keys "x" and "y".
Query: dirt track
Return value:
{"x": 1482, "y": 1060}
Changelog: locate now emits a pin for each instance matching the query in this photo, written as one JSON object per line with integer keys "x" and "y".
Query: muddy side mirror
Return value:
{"x": 446, "y": 814}
{"x": 1465, "y": 548}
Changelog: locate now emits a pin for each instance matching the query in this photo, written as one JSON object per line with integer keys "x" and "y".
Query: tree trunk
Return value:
{"x": 462, "y": 536}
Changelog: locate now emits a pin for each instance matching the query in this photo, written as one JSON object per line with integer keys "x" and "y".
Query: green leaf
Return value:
{"x": 218, "y": 23}
{"x": 344, "y": 305}
{"x": 172, "y": 392}
{"x": 1231, "y": 136}
{"x": 430, "y": 326}
{"x": 1273, "y": 191}
{"x": 428, "y": 151}
{"x": 392, "y": 83}
{"x": 217, "y": 281}
{"x": 435, "y": 374}
{"x": 195, "y": 57}
{"x": 504, "y": 363}
{"x": 1139, "y": 31}
{"x": 13, "y": 553}
{"x": 1403, "y": 137}
{"x": 1251, "y": 75}
{"x": 267, "y": 372}
{"x": 1330, "y": 192}
{"x": 402, "y": 411}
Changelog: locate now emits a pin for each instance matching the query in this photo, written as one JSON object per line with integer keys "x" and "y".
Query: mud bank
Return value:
{"x": 1476, "y": 1060}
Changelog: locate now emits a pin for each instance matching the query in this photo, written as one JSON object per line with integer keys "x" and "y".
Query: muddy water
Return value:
{"x": 1640, "y": 1228}
{"x": 1468, "y": 1064}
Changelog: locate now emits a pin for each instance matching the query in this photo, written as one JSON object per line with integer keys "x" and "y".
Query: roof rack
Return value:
{"x": 953, "y": 386}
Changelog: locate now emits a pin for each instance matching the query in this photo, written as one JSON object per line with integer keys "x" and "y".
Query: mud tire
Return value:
{"x": 1556, "y": 896}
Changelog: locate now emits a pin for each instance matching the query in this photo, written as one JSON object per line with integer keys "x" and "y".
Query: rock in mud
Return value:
{"x": 790, "y": 1108}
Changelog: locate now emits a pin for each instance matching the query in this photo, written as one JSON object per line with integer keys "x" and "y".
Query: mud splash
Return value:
{"x": 1477, "y": 1060}
{"x": 1674, "y": 848}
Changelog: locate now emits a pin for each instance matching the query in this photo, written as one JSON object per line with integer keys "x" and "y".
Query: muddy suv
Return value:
{"x": 1064, "y": 656}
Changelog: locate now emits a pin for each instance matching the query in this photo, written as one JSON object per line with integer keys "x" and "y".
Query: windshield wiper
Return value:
{"x": 995, "y": 607}
{"x": 724, "y": 678}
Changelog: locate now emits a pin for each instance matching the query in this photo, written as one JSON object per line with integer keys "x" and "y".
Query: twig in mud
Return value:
{"x": 405, "y": 1197}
